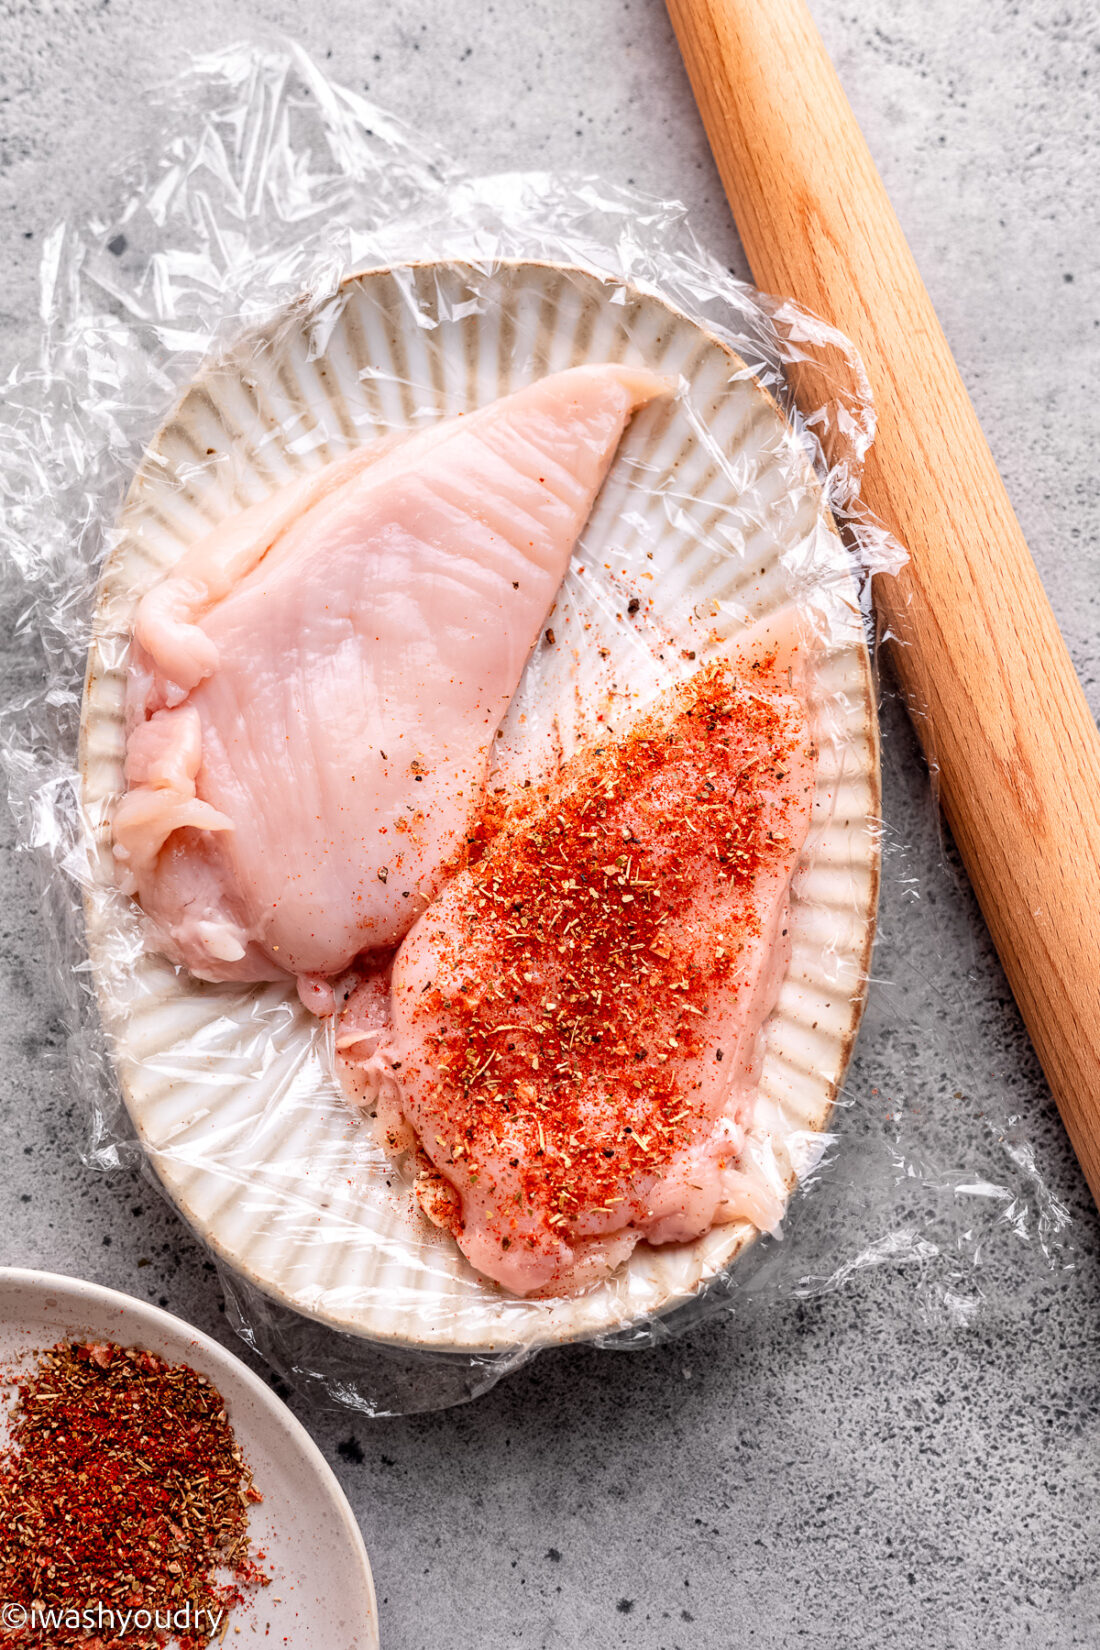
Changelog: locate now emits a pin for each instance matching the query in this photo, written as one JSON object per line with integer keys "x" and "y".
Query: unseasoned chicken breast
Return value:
{"x": 316, "y": 686}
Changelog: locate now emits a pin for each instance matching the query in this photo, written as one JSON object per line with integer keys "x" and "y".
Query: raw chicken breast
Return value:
{"x": 573, "y": 1028}
{"x": 316, "y": 686}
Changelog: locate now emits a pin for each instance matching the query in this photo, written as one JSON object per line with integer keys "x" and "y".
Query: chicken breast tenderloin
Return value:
{"x": 316, "y": 686}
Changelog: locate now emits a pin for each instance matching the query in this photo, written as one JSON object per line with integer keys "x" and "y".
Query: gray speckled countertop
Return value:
{"x": 854, "y": 1470}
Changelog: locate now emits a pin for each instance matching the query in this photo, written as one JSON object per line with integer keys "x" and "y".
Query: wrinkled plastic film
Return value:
{"x": 215, "y": 333}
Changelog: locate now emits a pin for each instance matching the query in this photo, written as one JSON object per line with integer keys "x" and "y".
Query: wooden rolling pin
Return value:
{"x": 996, "y": 702}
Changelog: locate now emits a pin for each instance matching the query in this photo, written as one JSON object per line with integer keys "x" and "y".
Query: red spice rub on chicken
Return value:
{"x": 573, "y": 1028}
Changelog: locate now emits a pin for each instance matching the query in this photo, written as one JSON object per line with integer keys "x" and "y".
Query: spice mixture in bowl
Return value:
{"x": 154, "y": 1492}
{"x": 124, "y": 1501}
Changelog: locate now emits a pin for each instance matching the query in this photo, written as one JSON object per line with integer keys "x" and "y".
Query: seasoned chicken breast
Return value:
{"x": 572, "y": 1030}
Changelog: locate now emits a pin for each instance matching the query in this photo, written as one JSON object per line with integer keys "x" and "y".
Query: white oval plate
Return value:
{"x": 321, "y": 1593}
{"x": 710, "y": 517}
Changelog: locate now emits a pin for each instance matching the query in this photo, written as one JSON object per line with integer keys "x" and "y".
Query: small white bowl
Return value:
{"x": 321, "y": 1594}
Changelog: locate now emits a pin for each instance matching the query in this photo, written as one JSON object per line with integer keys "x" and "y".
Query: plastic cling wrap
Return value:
{"x": 289, "y": 277}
